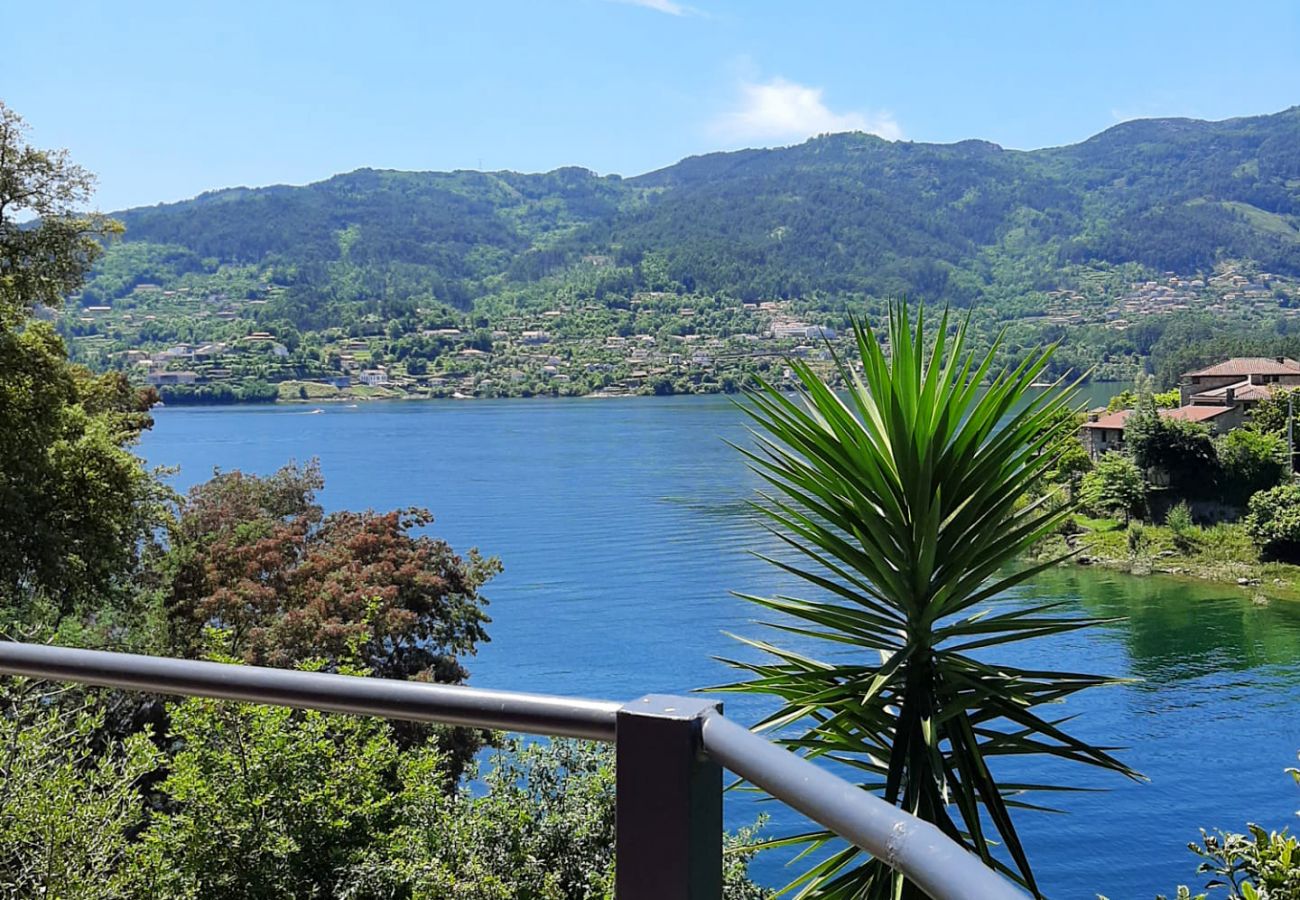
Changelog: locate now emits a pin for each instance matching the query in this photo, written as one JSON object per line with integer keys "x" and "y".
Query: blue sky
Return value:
{"x": 165, "y": 100}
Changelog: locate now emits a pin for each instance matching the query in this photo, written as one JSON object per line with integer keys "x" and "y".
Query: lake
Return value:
{"x": 623, "y": 528}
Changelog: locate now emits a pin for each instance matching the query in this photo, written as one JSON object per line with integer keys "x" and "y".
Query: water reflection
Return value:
{"x": 1176, "y": 630}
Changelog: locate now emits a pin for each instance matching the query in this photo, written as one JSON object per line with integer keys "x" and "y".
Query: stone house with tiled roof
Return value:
{"x": 1104, "y": 432}
{"x": 1220, "y": 396}
{"x": 1243, "y": 380}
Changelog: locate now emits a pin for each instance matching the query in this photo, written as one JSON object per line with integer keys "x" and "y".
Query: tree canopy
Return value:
{"x": 43, "y": 260}
{"x": 288, "y": 583}
{"x": 76, "y": 506}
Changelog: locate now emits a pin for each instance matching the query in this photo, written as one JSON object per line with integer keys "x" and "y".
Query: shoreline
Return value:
{"x": 411, "y": 398}
{"x": 362, "y": 402}
{"x": 1207, "y": 558}
{"x": 354, "y": 401}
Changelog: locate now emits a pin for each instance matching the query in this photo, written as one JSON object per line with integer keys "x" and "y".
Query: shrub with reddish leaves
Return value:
{"x": 285, "y": 582}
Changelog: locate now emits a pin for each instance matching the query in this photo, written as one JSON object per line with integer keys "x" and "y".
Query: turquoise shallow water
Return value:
{"x": 623, "y": 528}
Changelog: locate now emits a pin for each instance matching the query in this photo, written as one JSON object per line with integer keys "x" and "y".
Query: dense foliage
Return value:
{"x": 1274, "y": 413}
{"x": 847, "y": 213}
{"x": 266, "y": 803}
{"x": 69, "y": 808}
{"x": 1115, "y": 486}
{"x": 1173, "y": 452}
{"x": 1274, "y": 521}
{"x": 269, "y": 802}
{"x": 1250, "y": 461}
{"x": 76, "y": 505}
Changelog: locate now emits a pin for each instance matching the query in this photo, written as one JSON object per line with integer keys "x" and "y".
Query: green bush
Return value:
{"x": 1179, "y": 521}
{"x": 1114, "y": 487}
{"x": 541, "y": 827}
{"x": 67, "y": 810}
{"x": 1251, "y": 461}
{"x": 1261, "y": 865}
{"x": 271, "y": 803}
{"x": 1139, "y": 540}
{"x": 1273, "y": 521}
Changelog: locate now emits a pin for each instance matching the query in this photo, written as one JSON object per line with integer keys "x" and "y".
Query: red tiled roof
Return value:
{"x": 1187, "y": 413}
{"x": 1243, "y": 366}
{"x": 1113, "y": 420}
{"x": 1195, "y": 413}
{"x": 1242, "y": 390}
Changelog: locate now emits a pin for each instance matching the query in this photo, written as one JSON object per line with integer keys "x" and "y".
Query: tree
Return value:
{"x": 903, "y": 501}
{"x": 1128, "y": 399}
{"x": 1071, "y": 461}
{"x": 1175, "y": 451}
{"x": 1271, "y": 413}
{"x": 69, "y": 808}
{"x": 1251, "y": 461}
{"x": 1115, "y": 486}
{"x": 43, "y": 262}
{"x": 76, "y": 506}
{"x": 1273, "y": 520}
{"x": 287, "y": 583}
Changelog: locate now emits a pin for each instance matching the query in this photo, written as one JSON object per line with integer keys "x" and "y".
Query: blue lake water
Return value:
{"x": 623, "y": 529}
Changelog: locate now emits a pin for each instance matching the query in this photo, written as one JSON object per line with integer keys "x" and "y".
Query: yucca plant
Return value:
{"x": 904, "y": 503}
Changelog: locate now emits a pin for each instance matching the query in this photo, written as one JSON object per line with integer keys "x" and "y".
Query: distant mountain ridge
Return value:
{"x": 838, "y": 214}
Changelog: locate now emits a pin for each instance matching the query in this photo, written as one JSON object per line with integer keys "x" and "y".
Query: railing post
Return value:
{"x": 668, "y": 802}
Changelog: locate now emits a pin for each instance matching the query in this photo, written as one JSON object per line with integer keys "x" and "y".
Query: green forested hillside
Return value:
{"x": 840, "y": 213}
{"x": 1155, "y": 245}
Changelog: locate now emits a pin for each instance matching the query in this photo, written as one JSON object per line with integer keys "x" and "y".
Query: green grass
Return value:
{"x": 1100, "y": 525}
{"x": 1222, "y": 553}
{"x": 293, "y": 390}
{"x": 375, "y": 392}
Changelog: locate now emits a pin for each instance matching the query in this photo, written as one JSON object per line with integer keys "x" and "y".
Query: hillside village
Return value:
{"x": 198, "y": 342}
{"x": 1229, "y": 290}
{"x": 564, "y": 351}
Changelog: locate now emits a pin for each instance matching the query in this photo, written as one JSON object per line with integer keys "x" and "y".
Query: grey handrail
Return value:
{"x": 937, "y": 864}
{"x": 387, "y": 698}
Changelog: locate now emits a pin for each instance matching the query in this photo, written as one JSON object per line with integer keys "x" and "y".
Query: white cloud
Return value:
{"x": 663, "y": 6}
{"x": 783, "y": 110}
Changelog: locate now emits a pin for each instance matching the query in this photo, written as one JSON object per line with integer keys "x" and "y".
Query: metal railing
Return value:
{"x": 669, "y": 754}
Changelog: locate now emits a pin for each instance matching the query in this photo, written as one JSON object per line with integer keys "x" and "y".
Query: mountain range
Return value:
{"x": 840, "y": 214}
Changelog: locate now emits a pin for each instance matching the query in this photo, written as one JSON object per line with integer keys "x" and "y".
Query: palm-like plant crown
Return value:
{"x": 905, "y": 503}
